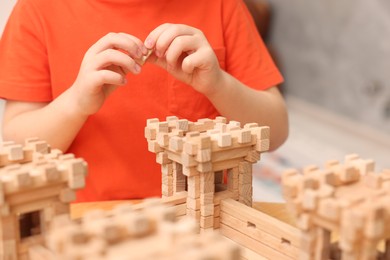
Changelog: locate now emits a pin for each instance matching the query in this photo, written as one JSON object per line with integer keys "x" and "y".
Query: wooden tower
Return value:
{"x": 36, "y": 184}
{"x": 210, "y": 159}
{"x": 348, "y": 199}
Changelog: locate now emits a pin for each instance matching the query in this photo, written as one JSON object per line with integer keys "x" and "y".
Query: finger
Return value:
{"x": 166, "y": 34}
{"x": 182, "y": 44}
{"x": 150, "y": 40}
{"x": 137, "y": 41}
{"x": 102, "y": 77}
{"x": 118, "y": 41}
{"x": 197, "y": 60}
{"x": 114, "y": 57}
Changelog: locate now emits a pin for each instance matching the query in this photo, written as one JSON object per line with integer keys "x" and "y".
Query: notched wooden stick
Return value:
{"x": 144, "y": 58}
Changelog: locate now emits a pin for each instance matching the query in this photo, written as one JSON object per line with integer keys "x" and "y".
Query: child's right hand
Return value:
{"x": 104, "y": 68}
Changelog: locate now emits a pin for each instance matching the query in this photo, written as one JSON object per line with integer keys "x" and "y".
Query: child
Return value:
{"x": 207, "y": 61}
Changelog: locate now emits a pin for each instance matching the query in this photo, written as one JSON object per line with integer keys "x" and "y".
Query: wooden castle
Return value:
{"x": 209, "y": 162}
{"x": 207, "y": 177}
{"x": 36, "y": 185}
{"x": 350, "y": 200}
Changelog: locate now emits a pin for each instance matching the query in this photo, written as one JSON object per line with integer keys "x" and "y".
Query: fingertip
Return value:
{"x": 124, "y": 81}
{"x": 149, "y": 43}
{"x": 137, "y": 68}
{"x": 187, "y": 65}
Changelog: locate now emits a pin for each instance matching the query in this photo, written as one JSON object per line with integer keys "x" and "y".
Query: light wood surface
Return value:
{"x": 276, "y": 210}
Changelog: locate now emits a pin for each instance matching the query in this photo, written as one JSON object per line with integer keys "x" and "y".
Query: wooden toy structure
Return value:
{"x": 209, "y": 162}
{"x": 36, "y": 184}
{"x": 141, "y": 232}
{"x": 207, "y": 178}
{"x": 349, "y": 199}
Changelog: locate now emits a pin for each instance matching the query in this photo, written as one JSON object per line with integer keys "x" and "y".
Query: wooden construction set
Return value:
{"x": 36, "y": 185}
{"x": 349, "y": 199}
{"x": 206, "y": 169}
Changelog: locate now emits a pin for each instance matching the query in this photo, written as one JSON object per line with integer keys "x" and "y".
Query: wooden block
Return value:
{"x": 329, "y": 209}
{"x": 245, "y": 178}
{"x": 245, "y": 168}
{"x": 77, "y": 170}
{"x": 330, "y": 178}
{"x": 204, "y": 142}
{"x": 190, "y": 148}
{"x": 187, "y": 160}
{"x": 224, "y": 140}
{"x": 179, "y": 180}
{"x": 193, "y": 213}
{"x": 14, "y": 151}
{"x": 150, "y": 133}
{"x": 190, "y": 171}
{"x": 167, "y": 180}
{"x": 322, "y": 250}
{"x": 305, "y": 221}
{"x": 244, "y": 136}
{"x": 207, "y": 182}
{"x": 234, "y": 123}
{"x": 207, "y": 210}
{"x": 310, "y": 200}
{"x": 154, "y": 147}
{"x": 262, "y": 145}
{"x": 22, "y": 179}
{"x": 262, "y": 133}
{"x": 193, "y": 186}
{"x": 162, "y": 139}
{"x": 206, "y": 222}
{"x": 221, "y": 127}
{"x": 162, "y": 127}
{"x": 167, "y": 169}
{"x": 220, "y": 119}
{"x": 152, "y": 122}
{"x": 141, "y": 61}
{"x": 176, "y": 143}
{"x": 203, "y": 155}
{"x": 162, "y": 158}
{"x": 207, "y": 198}
{"x": 182, "y": 124}
{"x": 253, "y": 156}
{"x": 37, "y": 145}
{"x": 349, "y": 175}
{"x": 205, "y": 167}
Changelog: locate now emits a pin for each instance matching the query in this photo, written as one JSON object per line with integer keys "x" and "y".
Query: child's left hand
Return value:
{"x": 186, "y": 54}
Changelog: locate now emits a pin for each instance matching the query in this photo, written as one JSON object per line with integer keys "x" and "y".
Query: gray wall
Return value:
{"x": 336, "y": 53}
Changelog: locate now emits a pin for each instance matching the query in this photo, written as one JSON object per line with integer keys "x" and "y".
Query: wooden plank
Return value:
{"x": 252, "y": 244}
{"x": 259, "y": 235}
{"x": 261, "y": 220}
{"x": 230, "y": 154}
{"x": 228, "y": 164}
{"x": 35, "y": 194}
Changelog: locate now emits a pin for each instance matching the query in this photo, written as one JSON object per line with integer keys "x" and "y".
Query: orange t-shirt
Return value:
{"x": 44, "y": 43}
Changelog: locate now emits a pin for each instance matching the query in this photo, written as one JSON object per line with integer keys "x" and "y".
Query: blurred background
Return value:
{"x": 335, "y": 57}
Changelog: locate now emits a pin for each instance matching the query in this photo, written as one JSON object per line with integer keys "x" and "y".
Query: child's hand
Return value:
{"x": 186, "y": 54}
{"x": 104, "y": 68}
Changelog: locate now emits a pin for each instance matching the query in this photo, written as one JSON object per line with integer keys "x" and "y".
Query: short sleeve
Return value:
{"x": 24, "y": 70}
{"x": 247, "y": 57}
